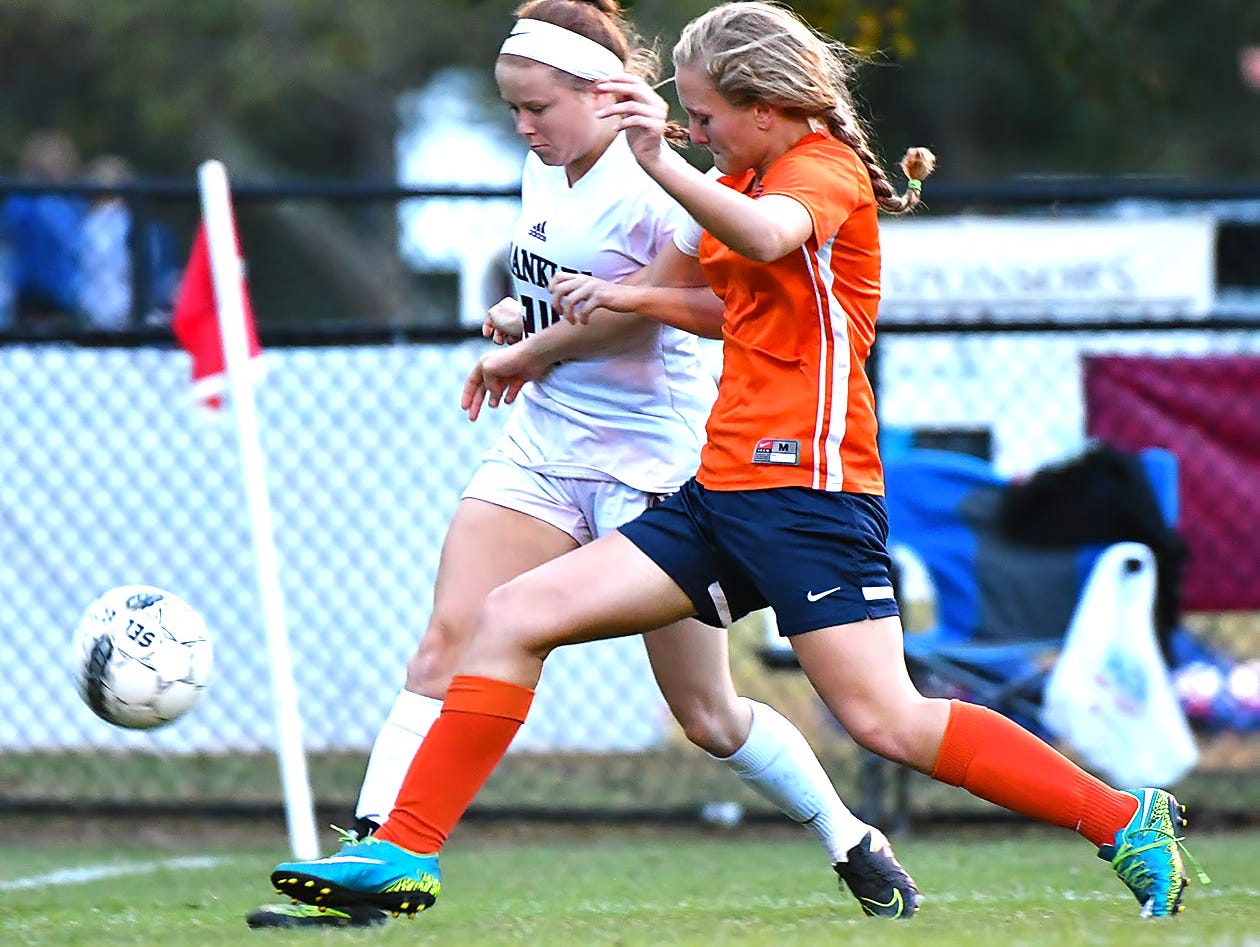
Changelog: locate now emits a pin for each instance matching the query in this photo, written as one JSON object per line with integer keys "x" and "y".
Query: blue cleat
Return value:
{"x": 1147, "y": 854}
{"x": 368, "y": 872}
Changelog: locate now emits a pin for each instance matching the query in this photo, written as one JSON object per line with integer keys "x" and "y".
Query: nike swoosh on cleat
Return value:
{"x": 815, "y": 596}
{"x": 344, "y": 859}
{"x": 895, "y": 901}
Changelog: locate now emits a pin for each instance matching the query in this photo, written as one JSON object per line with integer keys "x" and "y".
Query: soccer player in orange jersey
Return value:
{"x": 787, "y": 507}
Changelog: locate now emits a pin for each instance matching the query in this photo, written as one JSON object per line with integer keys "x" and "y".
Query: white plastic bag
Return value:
{"x": 1110, "y": 695}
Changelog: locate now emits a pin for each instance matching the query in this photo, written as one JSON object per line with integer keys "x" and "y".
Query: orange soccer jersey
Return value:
{"x": 794, "y": 406}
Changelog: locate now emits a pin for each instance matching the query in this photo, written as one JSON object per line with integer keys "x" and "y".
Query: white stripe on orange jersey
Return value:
{"x": 833, "y": 398}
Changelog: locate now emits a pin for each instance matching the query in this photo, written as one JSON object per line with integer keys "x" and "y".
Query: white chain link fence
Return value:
{"x": 110, "y": 475}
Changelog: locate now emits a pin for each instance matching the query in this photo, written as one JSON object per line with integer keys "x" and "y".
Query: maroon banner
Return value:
{"x": 1207, "y": 412}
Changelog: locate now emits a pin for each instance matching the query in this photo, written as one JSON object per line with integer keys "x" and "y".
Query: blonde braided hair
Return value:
{"x": 761, "y": 52}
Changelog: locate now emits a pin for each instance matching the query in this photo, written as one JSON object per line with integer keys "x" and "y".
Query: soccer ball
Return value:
{"x": 143, "y": 657}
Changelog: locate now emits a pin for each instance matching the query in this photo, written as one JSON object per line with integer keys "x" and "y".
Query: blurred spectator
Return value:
{"x": 42, "y": 230}
{"x": 1249, "y": 67}
{"x": 107, "y": 277}
{"x": 8, "y": 297}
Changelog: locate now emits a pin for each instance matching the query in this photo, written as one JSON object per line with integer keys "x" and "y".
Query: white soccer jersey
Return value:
{"x": 636, "y": 416}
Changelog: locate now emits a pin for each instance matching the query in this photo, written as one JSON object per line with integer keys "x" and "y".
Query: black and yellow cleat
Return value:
{"x": 872, "y": 873}
{"x": 308, "y": 915}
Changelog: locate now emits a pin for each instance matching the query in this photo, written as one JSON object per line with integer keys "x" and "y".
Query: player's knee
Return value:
{"x": 714, "y": 728}
{"x": 869, "y": 735}
{"x": 433, "y": 663}
{"x": 510, "y": 621}
{"x": 890, "y": 730}
{"x": 715, "y": 740}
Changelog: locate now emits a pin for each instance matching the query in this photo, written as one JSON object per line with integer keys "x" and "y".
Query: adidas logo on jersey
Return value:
{"x": 539, "y": 231}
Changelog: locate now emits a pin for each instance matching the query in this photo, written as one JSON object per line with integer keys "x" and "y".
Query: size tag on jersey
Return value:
{"x": 770, "y": 450}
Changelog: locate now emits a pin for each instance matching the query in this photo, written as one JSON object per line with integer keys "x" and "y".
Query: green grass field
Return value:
{"x": 627, "y": 888}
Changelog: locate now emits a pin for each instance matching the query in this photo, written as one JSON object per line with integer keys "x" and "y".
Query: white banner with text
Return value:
{"x": 1005, "y": 268}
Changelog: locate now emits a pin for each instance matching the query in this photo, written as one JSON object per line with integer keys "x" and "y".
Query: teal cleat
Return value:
{"x": 372, "y": 872}
{"x": 1147, "y": 854}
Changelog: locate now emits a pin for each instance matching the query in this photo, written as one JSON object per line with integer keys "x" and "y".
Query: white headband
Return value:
{"x": 561, "y": 49}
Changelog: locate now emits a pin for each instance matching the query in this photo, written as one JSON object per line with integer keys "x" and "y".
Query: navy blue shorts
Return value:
{"x": 817, "y": 558}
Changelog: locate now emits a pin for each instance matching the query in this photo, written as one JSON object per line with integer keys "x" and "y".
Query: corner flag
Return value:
{"x": 195, "y": 322}
{"x": 214, "y": 322}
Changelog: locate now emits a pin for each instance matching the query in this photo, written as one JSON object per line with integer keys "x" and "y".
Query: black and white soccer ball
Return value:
{"x": 143, "y": 656}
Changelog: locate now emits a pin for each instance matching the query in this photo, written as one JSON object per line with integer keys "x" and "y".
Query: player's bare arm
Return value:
{"x": 499, "y": 375}
{"x": 763, "y": 229}
{"x": 581, "y": 298}
{"x": 670, "y": 290}
{"x": 606, "y": 334}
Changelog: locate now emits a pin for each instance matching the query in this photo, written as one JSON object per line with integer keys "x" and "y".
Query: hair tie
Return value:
{"x": 914, "y": 184}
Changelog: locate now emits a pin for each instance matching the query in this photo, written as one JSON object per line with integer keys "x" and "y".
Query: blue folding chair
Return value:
{"x": 1001, "y": 608}
{"x": 1001, "y": 605}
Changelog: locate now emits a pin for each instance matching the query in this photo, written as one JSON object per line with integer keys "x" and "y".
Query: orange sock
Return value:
{"x": 479, "y": 718}
{"x": 996, "y": 759}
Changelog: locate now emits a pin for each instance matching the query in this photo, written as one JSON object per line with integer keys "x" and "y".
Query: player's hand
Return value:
{"x": 505, "y": 322}
{"x": 576, "y": 295}
{"x": 642, "y": 114}
{"x": 498, "y": 378}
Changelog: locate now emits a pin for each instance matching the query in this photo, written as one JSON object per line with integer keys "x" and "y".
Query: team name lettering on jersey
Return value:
{"x": 770, "y": 450}
{"x": 532, "y": 268}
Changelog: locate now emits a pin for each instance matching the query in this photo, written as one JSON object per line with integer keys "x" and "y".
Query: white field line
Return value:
{"x": 1197, "y": 892}
{"x": 90, "y": 873}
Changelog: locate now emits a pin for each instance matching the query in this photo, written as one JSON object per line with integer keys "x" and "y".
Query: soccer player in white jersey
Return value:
{"x": 610, "y": 417}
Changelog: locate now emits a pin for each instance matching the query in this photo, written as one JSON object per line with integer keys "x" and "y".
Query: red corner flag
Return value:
{"x": 195, "y": 322}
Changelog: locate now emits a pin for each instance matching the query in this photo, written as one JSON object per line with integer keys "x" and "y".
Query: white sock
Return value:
{"x": 401, "y": 735}
{"x": 777, "y": 762}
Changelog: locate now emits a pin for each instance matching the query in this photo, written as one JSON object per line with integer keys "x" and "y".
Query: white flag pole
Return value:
{"x": 226, "y": 270}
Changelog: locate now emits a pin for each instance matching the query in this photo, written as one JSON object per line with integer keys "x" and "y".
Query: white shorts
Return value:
{"x": 585, "y": 509}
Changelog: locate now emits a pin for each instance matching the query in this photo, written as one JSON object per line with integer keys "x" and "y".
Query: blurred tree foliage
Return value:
{"x": 309, "y": 83}
{"x": 1075, "y": 86}
{"x": 285, "y": 89}
{"x": 997, "y": 87}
